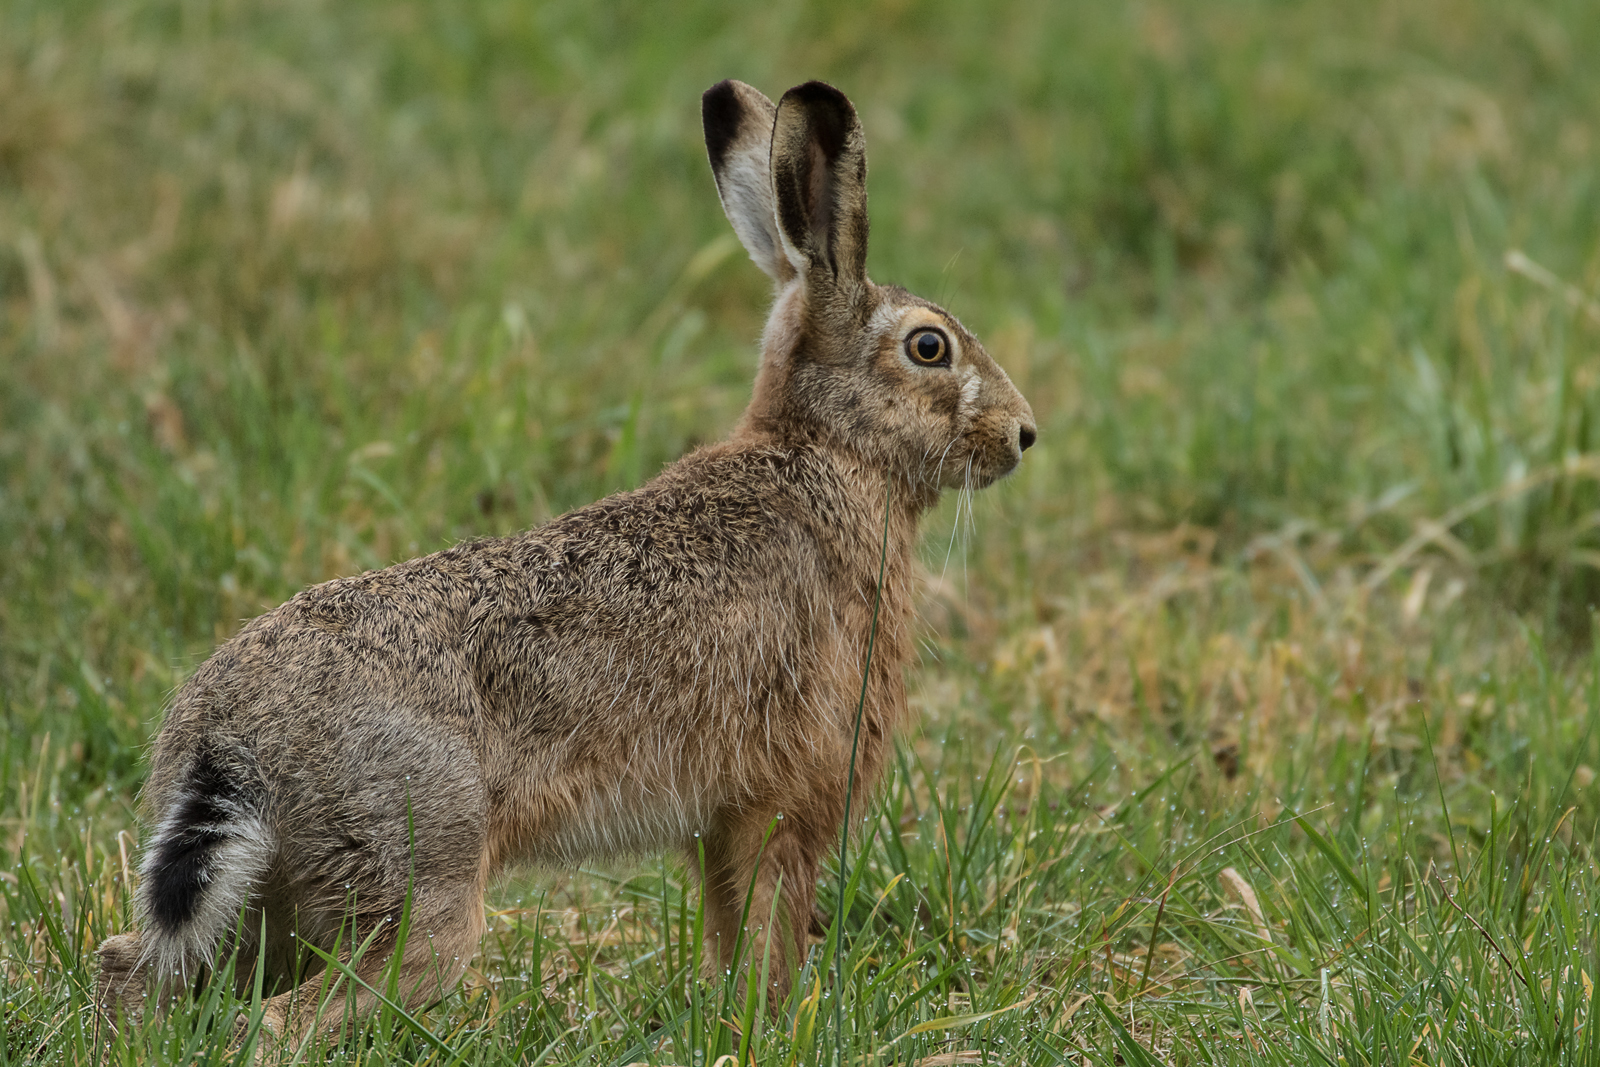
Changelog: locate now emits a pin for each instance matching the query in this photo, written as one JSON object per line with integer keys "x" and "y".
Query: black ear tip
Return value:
{"x": 717, "y": 95}
{"x": 720, "y": 112}
{"x": 829, "y": 111}
{"x": 818, "y": 92}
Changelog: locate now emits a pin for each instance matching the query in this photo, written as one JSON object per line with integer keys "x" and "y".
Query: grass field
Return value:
{"x": 1258, "y": 710}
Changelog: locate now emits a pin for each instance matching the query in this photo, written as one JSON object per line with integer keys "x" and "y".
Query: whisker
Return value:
{"x": 964, "y": 497}
{"x": 955, "y": 525}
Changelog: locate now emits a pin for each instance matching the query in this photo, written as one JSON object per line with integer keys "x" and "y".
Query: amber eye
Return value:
{"x": 929, "y": 348}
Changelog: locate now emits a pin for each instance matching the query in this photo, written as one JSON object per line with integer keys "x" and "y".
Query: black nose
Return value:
{"x": 1026, "y": 437}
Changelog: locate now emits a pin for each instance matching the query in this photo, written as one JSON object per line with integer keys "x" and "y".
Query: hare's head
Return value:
{"x": 871, "y": 368}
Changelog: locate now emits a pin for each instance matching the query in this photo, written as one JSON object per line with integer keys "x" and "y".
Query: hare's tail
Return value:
{"x": 211, "y": 848}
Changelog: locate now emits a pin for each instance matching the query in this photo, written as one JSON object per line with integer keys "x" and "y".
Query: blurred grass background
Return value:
{"x": 292, "y": 289}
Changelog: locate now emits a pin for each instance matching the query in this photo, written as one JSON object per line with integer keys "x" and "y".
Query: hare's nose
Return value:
{"x": 1026, "y": 436}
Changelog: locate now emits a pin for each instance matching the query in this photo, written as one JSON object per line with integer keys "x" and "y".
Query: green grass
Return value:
{"x": 1229, "y": 751}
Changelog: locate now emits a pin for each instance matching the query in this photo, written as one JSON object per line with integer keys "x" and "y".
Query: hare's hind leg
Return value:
{"x": 121, "y": 986}
{"x": 388, "y": 875}
{"x": 767, "y": 862}
{"x": 441, "y": 937}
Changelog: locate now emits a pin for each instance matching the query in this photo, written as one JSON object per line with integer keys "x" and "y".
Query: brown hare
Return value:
{"x": 669, "y": 668}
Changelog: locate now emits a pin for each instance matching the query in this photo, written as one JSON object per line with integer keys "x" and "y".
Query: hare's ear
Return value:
{"x": 738, "y": 124}
{"x": 819, "y": 184}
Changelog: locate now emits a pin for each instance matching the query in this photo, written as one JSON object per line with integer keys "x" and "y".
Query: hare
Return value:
{"x": 675, "y": 667}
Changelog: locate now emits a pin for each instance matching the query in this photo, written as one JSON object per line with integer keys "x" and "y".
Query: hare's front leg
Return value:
{"x": 768, "y": 861}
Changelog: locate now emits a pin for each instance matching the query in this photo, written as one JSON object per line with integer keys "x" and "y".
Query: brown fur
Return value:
{"x": 673, "y": 667}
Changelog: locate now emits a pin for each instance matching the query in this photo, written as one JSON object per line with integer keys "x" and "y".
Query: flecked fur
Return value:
{"x": 668, "y": 668}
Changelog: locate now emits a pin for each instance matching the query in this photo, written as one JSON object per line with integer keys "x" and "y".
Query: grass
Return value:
{"x": 1258, "y": 710}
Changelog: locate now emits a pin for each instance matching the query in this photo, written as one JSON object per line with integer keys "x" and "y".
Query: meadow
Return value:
{"x": 1257, "y": 711}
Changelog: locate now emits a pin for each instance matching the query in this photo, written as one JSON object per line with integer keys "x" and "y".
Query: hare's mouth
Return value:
{"x": 977, "y": 468}
{"x": 996, "y": 462}
{"x": 984, "y": 477}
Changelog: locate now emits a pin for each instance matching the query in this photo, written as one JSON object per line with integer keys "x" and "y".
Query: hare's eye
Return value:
{"x": 929, "y": 348}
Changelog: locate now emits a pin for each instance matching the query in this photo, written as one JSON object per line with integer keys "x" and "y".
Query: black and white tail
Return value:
{"x": 211, "y": 849}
